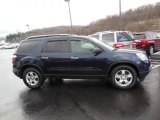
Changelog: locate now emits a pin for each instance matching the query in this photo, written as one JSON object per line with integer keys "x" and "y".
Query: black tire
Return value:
{"x": 39, "y": 78}
{"x": 132, "y": 81}
{"x": 151, "y": 50}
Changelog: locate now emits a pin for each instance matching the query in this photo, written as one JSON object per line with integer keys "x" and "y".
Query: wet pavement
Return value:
{"x": 76, "y": 99}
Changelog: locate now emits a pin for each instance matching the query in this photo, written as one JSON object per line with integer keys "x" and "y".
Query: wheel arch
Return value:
{"x": 151, "y": 44}
{"x": 123, "y": 63}
{"x": 31, "y": 66}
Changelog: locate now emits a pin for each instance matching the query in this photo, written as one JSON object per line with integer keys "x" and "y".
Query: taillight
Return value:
{"x": 144, "y": 41}
{"x": 118, "y": 45}
{"x": 14, "y": 58}
{"x": 134, "y": 43}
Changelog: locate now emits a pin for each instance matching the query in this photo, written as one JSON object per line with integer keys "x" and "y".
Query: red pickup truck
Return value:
{"x": 148, "y": 41}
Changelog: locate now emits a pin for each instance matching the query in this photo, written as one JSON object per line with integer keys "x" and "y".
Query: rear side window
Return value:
{"x": 108, "y": 38}
{"x": 56, "y": 47}
{"x": 95, "y": 36}
{"x": 28, "y": 46}
{"x": 139, "y": 36}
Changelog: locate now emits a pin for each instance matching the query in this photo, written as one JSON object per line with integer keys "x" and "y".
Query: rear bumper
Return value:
{"x": 17, "y": 73}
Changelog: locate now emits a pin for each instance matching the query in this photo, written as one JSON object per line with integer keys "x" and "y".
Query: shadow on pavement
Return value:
{"x": 84, "y": 100}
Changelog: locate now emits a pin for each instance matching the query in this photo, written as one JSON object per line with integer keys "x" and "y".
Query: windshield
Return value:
{"x": 102, "y": 43}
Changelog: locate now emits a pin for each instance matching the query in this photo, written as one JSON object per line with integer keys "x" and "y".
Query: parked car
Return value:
{"x": 1, "y": 44}
{"x": 7, "y": 46}
{"x": 82, "y": 57}
{"x": 15, "y": 45}
{"x": 147, "y": 41}
{"x": 117, "y": 39}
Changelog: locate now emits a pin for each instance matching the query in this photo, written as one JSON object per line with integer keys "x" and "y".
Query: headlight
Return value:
{"x": 142, "y": 56}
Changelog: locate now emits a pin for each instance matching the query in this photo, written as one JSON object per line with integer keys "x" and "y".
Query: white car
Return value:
{"x": 7, "y": 46}
{"x": 15, "y": 45}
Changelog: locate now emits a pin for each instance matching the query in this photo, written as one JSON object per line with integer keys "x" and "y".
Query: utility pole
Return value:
{"x": 120, "y": 14}
{"x": 28, "y": 29}
{"x": 68, "y": 1}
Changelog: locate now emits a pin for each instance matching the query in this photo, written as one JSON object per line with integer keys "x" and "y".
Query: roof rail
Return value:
{"x": 105, "y": 31}
{"x": 50, "y": 35}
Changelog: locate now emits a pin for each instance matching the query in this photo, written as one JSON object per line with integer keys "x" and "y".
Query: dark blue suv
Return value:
{"x": 72, "y": 56}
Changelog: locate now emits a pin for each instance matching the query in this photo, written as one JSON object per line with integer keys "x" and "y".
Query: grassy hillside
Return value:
{"x": 144, "y": 18}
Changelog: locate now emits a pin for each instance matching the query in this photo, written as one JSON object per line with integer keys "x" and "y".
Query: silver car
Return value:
{"x": 117, "y": 39}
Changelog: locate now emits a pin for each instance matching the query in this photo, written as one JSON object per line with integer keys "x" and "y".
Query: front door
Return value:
{"x": 83, "y": 59}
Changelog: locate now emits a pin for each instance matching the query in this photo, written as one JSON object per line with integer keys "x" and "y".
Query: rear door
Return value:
{"x": 55, "y": 57}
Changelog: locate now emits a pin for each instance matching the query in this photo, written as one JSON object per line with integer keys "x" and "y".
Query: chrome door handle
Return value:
{"x": 44, "y": 58}
{"x": 74, "y": 58}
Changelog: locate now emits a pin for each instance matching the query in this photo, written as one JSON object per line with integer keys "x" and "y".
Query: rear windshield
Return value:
{"x": 28, "y": 46}
{"x": 139, "y": 36}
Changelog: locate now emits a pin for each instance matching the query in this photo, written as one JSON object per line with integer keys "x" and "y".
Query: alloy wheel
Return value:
{"x": 32, "y": 78}
{"x": 123, "y": 78}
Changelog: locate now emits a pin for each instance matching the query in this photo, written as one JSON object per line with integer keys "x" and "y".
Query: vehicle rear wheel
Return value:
{"x": 123, "y": 77}
{"x": 151, "y": 50}
{"x": 32, "y": 78}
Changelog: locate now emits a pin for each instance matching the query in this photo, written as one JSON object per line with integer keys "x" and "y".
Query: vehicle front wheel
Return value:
{"x": 123, "y": 77}
{"x": 32, "y": 78}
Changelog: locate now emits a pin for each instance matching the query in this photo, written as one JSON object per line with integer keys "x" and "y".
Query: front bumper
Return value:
{"x": 146, "y": 69}
{"x": 142, "y": 75}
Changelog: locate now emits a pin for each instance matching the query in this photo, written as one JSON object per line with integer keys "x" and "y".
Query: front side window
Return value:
{"x": 56, "y": 47}
{"x": 108, "y": 38}
{"x": 82, "y": 47}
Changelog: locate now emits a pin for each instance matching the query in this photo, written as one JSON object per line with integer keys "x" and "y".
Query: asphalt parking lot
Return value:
{"x": 78, "y": 99}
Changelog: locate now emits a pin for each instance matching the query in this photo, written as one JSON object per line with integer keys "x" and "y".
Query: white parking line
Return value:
{"x": 155, "y": 60}
{"x": 155, "y": 63}
{"x": 155, "y": 66}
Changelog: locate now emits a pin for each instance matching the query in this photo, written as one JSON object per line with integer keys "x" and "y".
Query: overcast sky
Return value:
{"x": 16, "y": 14}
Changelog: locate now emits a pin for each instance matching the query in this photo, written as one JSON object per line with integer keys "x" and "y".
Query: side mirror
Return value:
{"x": 97, "y": 51}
